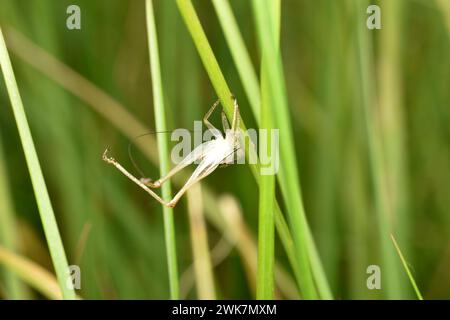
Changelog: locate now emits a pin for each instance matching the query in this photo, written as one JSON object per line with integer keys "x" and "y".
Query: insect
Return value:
{"x": 222, "y": 150}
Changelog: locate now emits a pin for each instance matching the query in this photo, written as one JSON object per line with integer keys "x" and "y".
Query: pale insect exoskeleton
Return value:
{"x": 222, "y": 150}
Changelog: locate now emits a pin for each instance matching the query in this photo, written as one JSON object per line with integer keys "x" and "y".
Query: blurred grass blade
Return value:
{"x": 163, "y": 148}
{"x": 31, "y": 273}
{"x": 239, "y": 234}
{"x": 9, "y": 234}
{"x": 45, "y": 208}
{"x": 288, "y": 174}
{"x": 204, "y": 279}
{"x": 444, "y": 6}
{"x": 82, "y": 88}
{"x": 394, "y": 136}
{"x": 376, "y": 157}
{"x": 405, "y": 265}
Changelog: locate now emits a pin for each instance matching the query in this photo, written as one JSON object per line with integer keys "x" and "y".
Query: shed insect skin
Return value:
{"x": 217, "y": 152}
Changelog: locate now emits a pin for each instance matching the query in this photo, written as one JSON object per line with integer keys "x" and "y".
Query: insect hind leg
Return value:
{"x": 189, "y": 159}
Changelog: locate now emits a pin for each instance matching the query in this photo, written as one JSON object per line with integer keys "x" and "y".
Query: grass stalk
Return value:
{"x": 288, "y": 174}
{"x": 267, "y": 181}
{"x": 204, "y": 279}
{"x": 163, "y": 147}
{"x": 206, "y": 54}
{"x": 31, "y": 273}
{"x": 377, "y": 165}
{"x": 9, "y": 234}
{"x": 392, "y": 118}
{"x": 217, "y": 79}
{"x": 249, "y": 80}
{"x": 266, "y": 234}
{"x": 43, "y": 200}
{"x": 405, "y": 265}
{"x": 239, "y": 54}
{"x": 444, "y": 7}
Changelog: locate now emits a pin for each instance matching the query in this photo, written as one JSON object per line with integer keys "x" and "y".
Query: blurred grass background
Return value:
{"x": 115, "y": 232}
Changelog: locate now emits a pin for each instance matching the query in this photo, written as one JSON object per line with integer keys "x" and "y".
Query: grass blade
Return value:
{"x": 206, "y": 54}
{"x": 405, "y": 265}
{"x": 288, "y": 175}
{"x": 239, "y": 54}
{"x": 9, "y": 234}
{"x": 444, "y": 6}
{"x": 31, "y": 273}
{"x": 43, "y": 200}
{"x": 376, "y": 156}
{"x": 204, "y": 279}
{"x": 392, "y": 119}
{"x": 217, "y": 79}
{"x": 248, "y": 78}
{"x": 163, "y": 147}
{"x": 264, "y": 289}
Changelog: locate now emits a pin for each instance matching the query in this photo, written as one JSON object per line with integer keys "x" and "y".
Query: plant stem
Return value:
{"x": 31, "y": 273}
{"x": 264, "y": 288}
{"x": 218, "y": 81}
{"x": 408, "y": 272}
{"x": 37, "y": 179}
{"x": 249, "y": 81}
{"x": 377, "y": 163}
{"x": 9, "y": 234}
{"x": 288, "y": 174}
{"x": 239, "y": 54}
{"x": 203, "y": 270}
{"x": 163, "y": 147}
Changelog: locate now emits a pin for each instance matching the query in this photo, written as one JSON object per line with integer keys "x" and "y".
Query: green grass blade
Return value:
{"x": 405, "y": 265}
{"x": 392, "y": 117}
{"x": 248, "y": 78}
{"x": 264, "y": 288}
{"x": 265, "y": 232}
{"x": 376, "y": 157}
{"x": 288, "y": 175}
{"x": 206, "y": 54}
{"x": 163, "y": 147}
{"x": 43, "y": 200}
{"x": 203, "y": 270}
{"x": 444, "y": 7}
{"x": 210, "y": 63}
{"x": 239, "y": 54}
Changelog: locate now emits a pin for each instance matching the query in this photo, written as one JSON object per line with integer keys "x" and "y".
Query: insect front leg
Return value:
{"x": 119, "y": 167}
{"x": 214, "y": 130}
